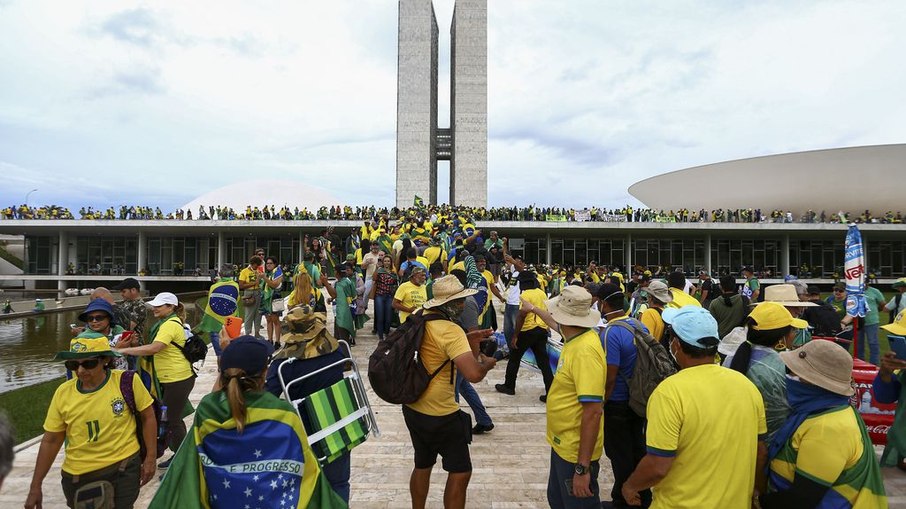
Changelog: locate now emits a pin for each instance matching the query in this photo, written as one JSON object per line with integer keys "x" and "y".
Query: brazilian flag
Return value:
{"x": 385, "y": 242}
{"x": 268, "y": 464}
{"x": 223, "y": 300}
{"x": 418, "y": 202}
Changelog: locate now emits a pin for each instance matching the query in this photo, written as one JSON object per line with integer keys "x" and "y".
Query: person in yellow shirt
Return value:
{"x": 677, "y": 282}
{"x": 411, "y": 294}
{"x": 170, "y": 366}
{"x": 531, "y": 335}
{"x": 705, "y": 425}
{"x": 658, "y": 297}
{"x": 436, "y": 253}
{"x": 89, "y": 413}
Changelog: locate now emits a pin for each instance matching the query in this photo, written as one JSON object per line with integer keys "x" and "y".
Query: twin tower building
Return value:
{"x": 420, "y": 142}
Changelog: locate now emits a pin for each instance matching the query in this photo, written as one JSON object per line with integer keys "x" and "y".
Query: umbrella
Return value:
{"x": 854, "y": 272}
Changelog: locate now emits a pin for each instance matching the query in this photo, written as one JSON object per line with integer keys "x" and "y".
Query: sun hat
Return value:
{"x": 129, "y": 282}
{"x": 247, "y": 353}
{"x": 97, "y": 305}
{"x": 785, "y": 295}
{"x": 307, "y": 335}
{"x": 573, "y": 308}
{"x": 164, "y": 298}
{"x": 898, "y": 326}
{"x": 822, "y": 363}
{"x": 899, "y": 283}
{"x": 446, "y": 289}
{"x": 659, "y": 291}
{"x": 694, "y": 325}
{"x": 772, "y": 315}
{"x": 87, "y": 346}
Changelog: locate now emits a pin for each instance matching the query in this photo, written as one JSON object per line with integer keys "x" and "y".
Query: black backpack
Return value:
{"x": 194, "y": 349}
{"x": 652, "y": 365}
{"x": 896, "y": 308}
{"x": 395, "y": 368}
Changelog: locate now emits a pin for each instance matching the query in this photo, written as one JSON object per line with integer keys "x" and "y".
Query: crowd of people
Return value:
{"x": 699, "y": 394}
{"x": 531, "y": 213}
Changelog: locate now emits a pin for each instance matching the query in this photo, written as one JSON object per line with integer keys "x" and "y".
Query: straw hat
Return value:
{"x": 573, "y": 308}
{"x": 898, "y": 326}
{"x": 659, "y": 291}
{"x": 87, "y": 346}
{"x": 446, "y": 289}
{"x": 772, "y": 315}
{"x": 785, "y": 295}
{"x": 822, "y": 363}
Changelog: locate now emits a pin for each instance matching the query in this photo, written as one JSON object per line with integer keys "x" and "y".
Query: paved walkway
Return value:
{"x": 510, "y": 463}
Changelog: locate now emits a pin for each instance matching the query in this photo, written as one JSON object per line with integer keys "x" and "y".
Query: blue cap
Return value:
{"x": 694, "y": 325}
{"x": 247, "y": 353}
{"x": 97, "y": 305}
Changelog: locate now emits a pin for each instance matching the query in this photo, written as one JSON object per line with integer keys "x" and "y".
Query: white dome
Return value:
{"x": 257, "y": 193}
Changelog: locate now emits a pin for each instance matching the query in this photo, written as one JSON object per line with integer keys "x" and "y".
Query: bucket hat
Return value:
{"x": 772, "y": 315}
{"x": 446, "y": 289}
{"x": 694, "y": 325}
{"x": 822, "y": 363}
{"x": 307, "y": 335}
{"x": 659, "y": 291}
{"x": 898, "y": 326}
{"x": 785, "y": 295}
{"x": 573, "y": 308}
{"x": 85, "y": 347}
{"x": 97, "y": 305}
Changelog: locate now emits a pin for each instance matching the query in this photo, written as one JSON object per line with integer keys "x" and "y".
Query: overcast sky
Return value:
{"x": 115, "y": 102}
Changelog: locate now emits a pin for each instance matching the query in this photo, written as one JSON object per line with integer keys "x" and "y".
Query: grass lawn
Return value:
{"x": 26, "y": 408}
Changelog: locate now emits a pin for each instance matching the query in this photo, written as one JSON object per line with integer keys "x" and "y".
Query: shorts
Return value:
{"x": 447, "y": 435}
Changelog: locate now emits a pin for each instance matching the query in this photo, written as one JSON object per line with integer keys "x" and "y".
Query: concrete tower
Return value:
{"x": 420, "y": 143}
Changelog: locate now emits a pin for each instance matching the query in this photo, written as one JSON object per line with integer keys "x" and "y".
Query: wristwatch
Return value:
{"x": 581, "y": 469}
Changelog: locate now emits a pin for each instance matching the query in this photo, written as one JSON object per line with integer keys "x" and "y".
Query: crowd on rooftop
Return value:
{"x": 531, "y": 213}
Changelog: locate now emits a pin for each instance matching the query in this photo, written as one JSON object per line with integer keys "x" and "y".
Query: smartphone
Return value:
{"x": 73, "y": 325}
{"x": 898, "y": 345}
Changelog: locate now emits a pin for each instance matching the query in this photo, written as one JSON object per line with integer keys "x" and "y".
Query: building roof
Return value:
{"x": 849, "y": 179}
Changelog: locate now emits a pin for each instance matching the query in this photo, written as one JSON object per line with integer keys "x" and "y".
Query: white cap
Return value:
{"x": 164, "y": 298}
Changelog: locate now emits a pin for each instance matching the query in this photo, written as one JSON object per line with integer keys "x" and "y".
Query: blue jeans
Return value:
{"x": 337, "y": 473}
{"x": 509, "y": 320}
{"x": 560, "y": 485}
{"x": 383, "y": 314}
{"x": 869, "y": 334}
{"x": 465, "y": 389}
{"x": 215, "y": 342}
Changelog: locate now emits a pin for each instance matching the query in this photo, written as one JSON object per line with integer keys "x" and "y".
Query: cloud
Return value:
{"x": 134, "y": 26}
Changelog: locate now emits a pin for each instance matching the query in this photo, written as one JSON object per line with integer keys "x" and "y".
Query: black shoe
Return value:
{"x": 481, "y": 429}
{"x": 165, "y": 464}
{"x": 277, "y": 345}
{"x": 543, "y": 398}
{"x": 504, "y": 389}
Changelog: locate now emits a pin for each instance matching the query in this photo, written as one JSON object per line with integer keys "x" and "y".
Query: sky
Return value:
{"x": 110, "y": 102}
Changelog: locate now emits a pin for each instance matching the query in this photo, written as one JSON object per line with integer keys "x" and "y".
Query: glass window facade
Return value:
{"x": 41, "y": 254}
{"x": 816, "y": 258}
{"x": 179, "y": 255}
{"x": 106, "y": 255}
{"x": 285, "y": 248}
{"x": 729, "y": 256}
{"x": 887, "y": 258}
{"x": 687, "y": 255}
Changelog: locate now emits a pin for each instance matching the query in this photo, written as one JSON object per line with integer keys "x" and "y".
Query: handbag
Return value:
{"x": 278, "y": 306}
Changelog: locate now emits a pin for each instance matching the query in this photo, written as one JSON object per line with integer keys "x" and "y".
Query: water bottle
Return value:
{"x": 164, "y": 424}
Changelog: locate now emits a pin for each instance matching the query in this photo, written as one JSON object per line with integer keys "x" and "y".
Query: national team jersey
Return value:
{"x": 99, "y": 426}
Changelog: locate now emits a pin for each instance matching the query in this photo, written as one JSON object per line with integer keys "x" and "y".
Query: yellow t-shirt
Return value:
{"x": 424, "y": 261}
{"x": 538, "y": 299}
{"x": 443, "y": 340}
{"x": 707, "y": 418}
{"x": 682, "y": 299}
{"x": 651, "y": 319}
{"x": 410, "y": 295}
{"x": 248, "y": 275}
{"x": 99, "y": 426}
{"x": 170, "y": 364}
{"x": 824, "y": 448}
{"x": 435, "y": 254}
{"x": 460, "y": 265}
{"x": 579, "y": 379}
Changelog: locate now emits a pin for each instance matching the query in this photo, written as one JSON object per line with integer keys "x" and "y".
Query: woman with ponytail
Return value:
{"x": 770, "y": 329}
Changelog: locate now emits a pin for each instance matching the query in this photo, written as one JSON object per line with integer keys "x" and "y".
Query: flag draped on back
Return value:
{"x": 854, "y": 272}
{"x": 268, "y": 465}
{"x": 223, "y": 300}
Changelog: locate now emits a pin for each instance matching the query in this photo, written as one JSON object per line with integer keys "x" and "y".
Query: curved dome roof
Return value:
{"x": 849, "y": 179}
{"x": 276, "y": 192}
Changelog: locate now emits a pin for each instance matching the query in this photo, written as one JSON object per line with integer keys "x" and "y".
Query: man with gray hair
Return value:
{"x": 6, "y": 447}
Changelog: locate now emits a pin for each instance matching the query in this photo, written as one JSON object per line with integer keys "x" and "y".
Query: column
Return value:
{"x": 708, "y": 253}
{"x": 221, "y": 250}
{"x": 549, "y": 247}
{"x": 785, "y": 255}
{"x": 142, "y": 255}
{"x": 627, "y": 256}
{"x": 62, "y": 259}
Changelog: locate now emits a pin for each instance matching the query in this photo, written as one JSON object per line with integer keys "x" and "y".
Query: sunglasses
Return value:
{"x": 96, "y": 318}
{"x": 838, "y": 291}
{"x": 87, "y": 364}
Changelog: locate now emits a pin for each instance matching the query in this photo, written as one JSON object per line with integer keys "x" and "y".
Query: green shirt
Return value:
{"x": 873, "y": 299}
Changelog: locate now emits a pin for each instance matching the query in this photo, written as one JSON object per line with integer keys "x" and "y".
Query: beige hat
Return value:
{"x": 659, "y": 291}
{"x": 822, "y": 363}
{"x": 446, "y": 289}
{"x": 573, "y": 307}
{"x": 785, "y": 295}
